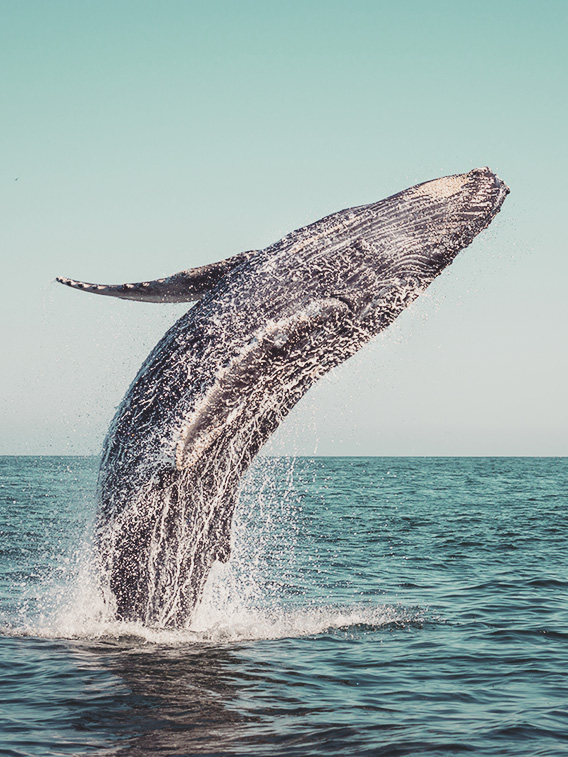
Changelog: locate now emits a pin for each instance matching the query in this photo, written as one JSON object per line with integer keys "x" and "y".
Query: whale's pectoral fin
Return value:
{"x": 185, "y": 286}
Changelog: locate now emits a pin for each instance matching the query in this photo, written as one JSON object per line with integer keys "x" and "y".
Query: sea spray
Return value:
{"x": 269, "y": 589}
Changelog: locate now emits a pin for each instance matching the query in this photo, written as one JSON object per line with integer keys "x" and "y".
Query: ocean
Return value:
{"x": 372, "y": 606}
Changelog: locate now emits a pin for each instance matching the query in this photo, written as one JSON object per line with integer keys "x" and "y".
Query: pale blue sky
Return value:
{"x": 148, "y": 137}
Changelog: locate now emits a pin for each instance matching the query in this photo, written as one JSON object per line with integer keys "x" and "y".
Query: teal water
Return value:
{"x": 372, "y": 606}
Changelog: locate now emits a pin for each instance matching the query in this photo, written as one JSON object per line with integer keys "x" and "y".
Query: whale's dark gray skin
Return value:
{"x": 269, "y": 323}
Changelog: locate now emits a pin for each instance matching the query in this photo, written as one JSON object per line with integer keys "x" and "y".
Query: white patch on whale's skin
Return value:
{"x": 442, "y": 188}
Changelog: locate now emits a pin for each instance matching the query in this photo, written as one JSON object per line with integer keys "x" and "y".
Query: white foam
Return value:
{"x": 242, "y": 625}
{"x": 236, "y": 607}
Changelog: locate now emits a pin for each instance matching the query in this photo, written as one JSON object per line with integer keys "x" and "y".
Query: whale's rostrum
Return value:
{"x": 267, "y": 325}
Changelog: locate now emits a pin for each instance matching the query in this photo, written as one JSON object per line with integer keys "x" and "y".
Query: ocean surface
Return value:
{"x": 372, "y": 606}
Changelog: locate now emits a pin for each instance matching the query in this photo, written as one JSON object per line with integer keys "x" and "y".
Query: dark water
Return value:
{"x": 373, "y": 606}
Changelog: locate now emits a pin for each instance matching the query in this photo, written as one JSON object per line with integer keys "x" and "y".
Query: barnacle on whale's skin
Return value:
{"x": 267, "y": 325}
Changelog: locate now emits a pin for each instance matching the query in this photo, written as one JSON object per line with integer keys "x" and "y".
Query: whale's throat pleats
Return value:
{"x": 233, "y": 395}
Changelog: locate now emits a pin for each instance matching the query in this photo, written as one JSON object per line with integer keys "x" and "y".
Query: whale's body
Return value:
{"x": 269, "y": 324}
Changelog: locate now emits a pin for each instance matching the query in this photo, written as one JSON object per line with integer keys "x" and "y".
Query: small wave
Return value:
{"x": 237, "y": 606}
{"x": 212, "y": 628}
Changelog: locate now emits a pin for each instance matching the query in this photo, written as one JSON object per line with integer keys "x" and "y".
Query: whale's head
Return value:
{"x": 443, "y": 216}
{"x": 373, "y": 260}
{"x": 417, "y": 234}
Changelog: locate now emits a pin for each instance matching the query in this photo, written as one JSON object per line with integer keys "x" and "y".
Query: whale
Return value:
{"x": 265, "y": 325}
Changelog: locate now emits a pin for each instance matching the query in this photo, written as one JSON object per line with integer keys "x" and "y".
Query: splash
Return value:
{"x": 236, "y": 625}
{"x": 261, "y": 593}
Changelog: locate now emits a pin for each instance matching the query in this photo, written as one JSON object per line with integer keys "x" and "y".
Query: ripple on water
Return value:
{"x": 371, "y": 607}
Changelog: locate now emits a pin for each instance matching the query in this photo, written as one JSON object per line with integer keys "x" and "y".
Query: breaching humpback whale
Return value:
{"x": 268, "y": 324}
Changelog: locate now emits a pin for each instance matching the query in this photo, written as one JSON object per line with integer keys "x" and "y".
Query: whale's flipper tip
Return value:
{"x": 83, "y": 285}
